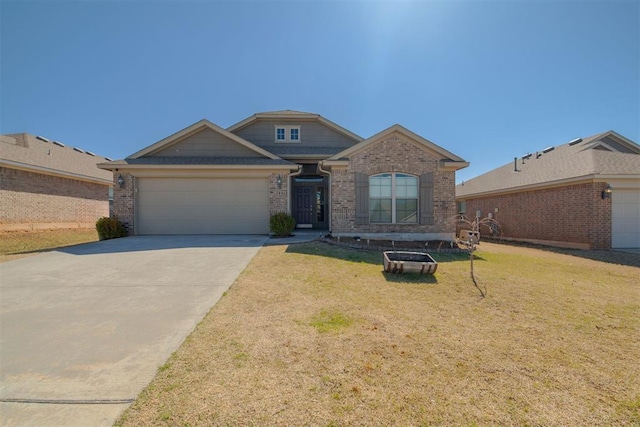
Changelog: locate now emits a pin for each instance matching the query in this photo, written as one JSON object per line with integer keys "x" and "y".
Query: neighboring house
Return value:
{"x": 210, "y": 180}
{"x": 44, "y": 184}
{"x": 583, "y": 194}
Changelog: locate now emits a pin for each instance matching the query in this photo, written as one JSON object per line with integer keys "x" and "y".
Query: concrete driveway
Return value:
{"x": 84, "y": 329}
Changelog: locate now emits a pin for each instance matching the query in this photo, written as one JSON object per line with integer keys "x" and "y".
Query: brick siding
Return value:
{"x": 574, "y": 214}
{"x": 393, "y": 154}
{"x": 123, "y": 200}
{"x": 32, "y": 200}
{"x": 278, "y": 196}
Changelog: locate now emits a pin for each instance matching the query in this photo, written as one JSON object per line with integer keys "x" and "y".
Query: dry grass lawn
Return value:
{"x": 317, "y": 335}
{"x": 19, "y": 244}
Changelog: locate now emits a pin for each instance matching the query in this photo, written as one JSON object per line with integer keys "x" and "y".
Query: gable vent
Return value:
{"x": 58, "y": 143}
{"x": 575, "y": 141}
{"x": 42, "y": 138}
{"x": 79, "y": 150}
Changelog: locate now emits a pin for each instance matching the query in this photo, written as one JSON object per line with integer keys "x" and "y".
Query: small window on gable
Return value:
{"x": 287, "y": 134}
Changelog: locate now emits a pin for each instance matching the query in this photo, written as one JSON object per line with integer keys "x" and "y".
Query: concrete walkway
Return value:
{"x": 83, "y": 330}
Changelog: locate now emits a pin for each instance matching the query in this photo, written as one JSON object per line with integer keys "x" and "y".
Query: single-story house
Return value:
{"x": 582, "y": 194}
{"x": 45, "y": 184}
{"x": 208, "y": 180}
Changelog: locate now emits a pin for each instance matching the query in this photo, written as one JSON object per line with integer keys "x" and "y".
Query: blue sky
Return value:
{"x": 487, "y": 80}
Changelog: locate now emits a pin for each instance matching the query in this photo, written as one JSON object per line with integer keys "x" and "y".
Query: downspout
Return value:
{"x": 328, "y": 194}
{"x": 289, "y": 184}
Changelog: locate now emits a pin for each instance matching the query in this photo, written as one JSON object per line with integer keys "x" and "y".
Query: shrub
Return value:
{"x": 282, "y": 224}
{"x": 110, "y": 228}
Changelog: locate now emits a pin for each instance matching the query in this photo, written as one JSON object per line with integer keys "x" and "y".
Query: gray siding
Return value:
{"x": 312, "y": 134}
{"x": 207, "y": 143}
{"x": 615, "y": 145}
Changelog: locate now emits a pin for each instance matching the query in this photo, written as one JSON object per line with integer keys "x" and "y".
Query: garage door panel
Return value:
{"x": 625, "y": 212}
{"x": 203, "y": 206}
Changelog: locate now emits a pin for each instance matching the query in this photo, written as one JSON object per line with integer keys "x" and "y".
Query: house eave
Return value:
{"x": 447, "y": 165}
{"x": 330, "y": 163}
{"x": 125, "y": 166}
{"x": 53, "y": 172}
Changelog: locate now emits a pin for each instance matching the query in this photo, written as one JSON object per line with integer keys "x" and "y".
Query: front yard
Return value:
{"x": 317, "y": 335}
{"x": 19, "y": 244}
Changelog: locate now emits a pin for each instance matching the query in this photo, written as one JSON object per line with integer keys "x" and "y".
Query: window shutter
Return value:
{"x": 362, "y": 198}
{"x": 426, "y": 199}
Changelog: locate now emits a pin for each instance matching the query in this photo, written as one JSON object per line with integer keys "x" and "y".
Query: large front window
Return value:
{"x": 393, "y": 198}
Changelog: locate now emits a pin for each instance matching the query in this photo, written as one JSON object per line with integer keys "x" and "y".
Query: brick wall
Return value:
{"x": 278, "y": 196}
{"x": 574, "y": 214}
{"x": 392, "y": 154}
{"x": 32, "y": 200}
{"x": 124, "y": 200}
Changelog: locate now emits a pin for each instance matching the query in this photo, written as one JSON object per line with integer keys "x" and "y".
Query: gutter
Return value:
{"x": 320, "y": 164}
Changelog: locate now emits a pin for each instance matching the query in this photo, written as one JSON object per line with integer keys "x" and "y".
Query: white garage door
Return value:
{"x": 203, "y": 206}
{"x": 625, "y": 231}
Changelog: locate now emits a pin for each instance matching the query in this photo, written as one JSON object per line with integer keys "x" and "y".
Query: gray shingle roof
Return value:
{"x": 201, "y": 160}
{"x": 25, "y": 151}
{"x": 565, "y": 162}
{"x": 302, "y": 150}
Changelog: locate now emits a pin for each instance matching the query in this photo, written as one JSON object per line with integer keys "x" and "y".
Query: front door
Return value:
{"x": 309, "y": 204}
{"x": 303, "y": 206}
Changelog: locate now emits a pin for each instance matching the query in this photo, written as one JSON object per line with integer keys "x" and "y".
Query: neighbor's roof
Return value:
{"x": 294, "y": 115}
{"x": 603, "y": 156}
{"x": 38, "y": 154}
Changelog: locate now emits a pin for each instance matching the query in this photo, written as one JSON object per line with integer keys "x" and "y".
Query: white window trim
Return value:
{"x": 287, "y": 134}
{"x": 393, "y": 199}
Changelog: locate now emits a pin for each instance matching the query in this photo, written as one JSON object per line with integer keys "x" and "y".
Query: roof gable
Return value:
{"x": 285, "y": 115}
{"x": 423, "y": 143}
{"x": 162, "y": 147}
{"x": 37, "y": 154}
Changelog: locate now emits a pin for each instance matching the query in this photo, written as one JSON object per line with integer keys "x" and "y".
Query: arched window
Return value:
{"x": 393, "y": 198}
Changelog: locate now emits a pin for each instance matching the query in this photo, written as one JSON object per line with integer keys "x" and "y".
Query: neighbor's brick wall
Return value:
{"x": 35, "y": 200}
{"x": 123, "y": 200}
{"x": 393, "y": 154}
{"x": 573, "y": 213}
